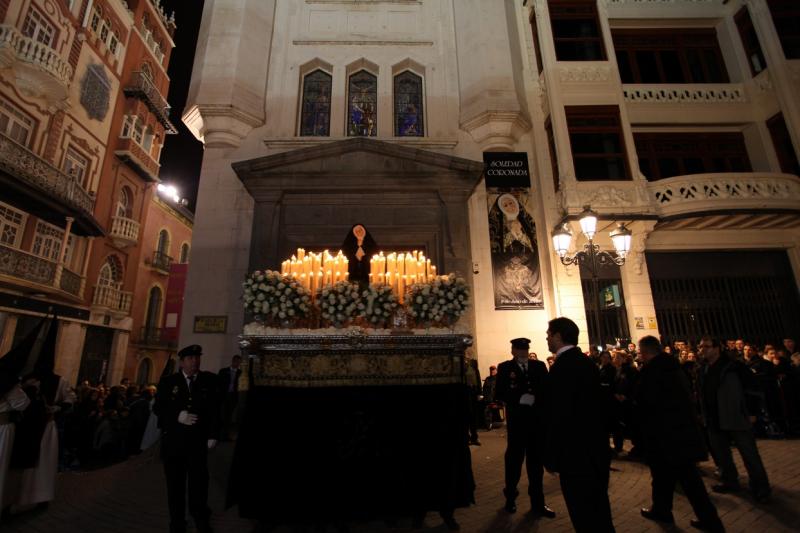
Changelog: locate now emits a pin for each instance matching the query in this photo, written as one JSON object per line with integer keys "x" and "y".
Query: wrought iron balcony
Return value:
{"x": 40, "y": 70}
{"x": 113, "y": 299}
{"x": 158, "y": 337}
{"x": 142, "y": 87}
{"x": 161, "y": 262}
{"x": 124, "y": 231}
{"x": 26, "y": 166}
{"x": 39, "y": 273}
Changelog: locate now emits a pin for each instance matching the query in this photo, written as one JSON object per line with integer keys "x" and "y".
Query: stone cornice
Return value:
{"x": 219, "y": 125}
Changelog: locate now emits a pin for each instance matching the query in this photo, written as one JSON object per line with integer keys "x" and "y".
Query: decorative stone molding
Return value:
{"x": 427, "y": 143}
{"x": 39, "y": 70}
{"x": 616, "y": 197}
{"x": 684, "y": 94}
{"x": 584, "y": 73}
{"x": 497, "y": 128}
{"x": 219, "y": 125}
{"x": 725, "y": 191}
{"x": 763, "y": 82}
{"x": 638, "y": 247}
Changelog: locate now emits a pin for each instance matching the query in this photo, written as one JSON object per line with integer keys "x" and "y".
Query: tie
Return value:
{"x": 191, "y": 383}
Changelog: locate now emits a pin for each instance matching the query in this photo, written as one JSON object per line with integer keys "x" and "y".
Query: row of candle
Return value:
{"x": 316, "y": 271}
{"x": 398, "y": 271}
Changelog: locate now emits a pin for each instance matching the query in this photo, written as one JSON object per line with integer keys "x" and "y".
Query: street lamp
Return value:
{"x": 592, "y": 257}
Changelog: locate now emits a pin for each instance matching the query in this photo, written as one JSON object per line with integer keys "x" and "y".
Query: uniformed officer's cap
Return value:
{"x": 521, "y": 343}
{"x": 192, "y": 349}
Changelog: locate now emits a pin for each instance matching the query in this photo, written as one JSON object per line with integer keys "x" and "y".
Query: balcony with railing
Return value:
{"x": 161, "y": 262}
{"x": 124, "y": 231}
{"x": 38, "y": 274}
{"x": 50, "y": 193}
{"x": 110, "y": 298}
{"x": 142, "y": 87}
{"x": 726, "y": 192}
{"x": 39, "y": 69}
{"x": 138, "y": 159}
{"x": 156, "y": 337}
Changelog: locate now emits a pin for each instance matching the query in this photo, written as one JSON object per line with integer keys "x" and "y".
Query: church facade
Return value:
{"x": 676, "y": 118}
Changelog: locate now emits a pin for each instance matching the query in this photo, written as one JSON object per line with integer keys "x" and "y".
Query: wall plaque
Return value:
{"x": 210, "y": 324}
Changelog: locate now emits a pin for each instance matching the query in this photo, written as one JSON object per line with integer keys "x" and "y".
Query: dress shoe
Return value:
{"x": 544, "y": 511}
{"x": 705, "y": 526}
{"x": 656, "y": 516}
{"x": 724, "y": 488}
{"x": 510, "y": 507}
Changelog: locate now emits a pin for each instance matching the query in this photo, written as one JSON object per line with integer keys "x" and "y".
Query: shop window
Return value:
{"x": 782, "y": 142}
{"x": 664, "y": 155}
{"x": 362, "y": 105}
{"x": 669, "y": 55}
{"x": 408, "y": 113}
{"x": 786, "y": 17}
{"x": 752, "y": 46}
{"x": 315, "y": 113}
{"x": 576, "y": 30}
{"x": 598, "y": 146}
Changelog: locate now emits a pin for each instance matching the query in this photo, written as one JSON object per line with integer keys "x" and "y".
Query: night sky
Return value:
{"x": 182, "y": 153}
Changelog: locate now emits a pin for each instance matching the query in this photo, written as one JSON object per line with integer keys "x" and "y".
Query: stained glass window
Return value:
{"x": 362, "y": 105}
{"x": 315, "y": 117}
{"x": 408, "y": 118}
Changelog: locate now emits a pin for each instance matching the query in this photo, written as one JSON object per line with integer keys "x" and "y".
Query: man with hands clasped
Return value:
{"x": 521, "y": 385}
{"x": 187, "y": 407}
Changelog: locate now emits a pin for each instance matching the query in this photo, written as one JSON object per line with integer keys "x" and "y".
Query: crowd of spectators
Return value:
{"x": 776, "y": 368}
{"x": 105, "y": 425}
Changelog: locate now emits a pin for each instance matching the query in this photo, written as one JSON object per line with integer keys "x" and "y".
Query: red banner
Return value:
{"x": 173, "y": 305}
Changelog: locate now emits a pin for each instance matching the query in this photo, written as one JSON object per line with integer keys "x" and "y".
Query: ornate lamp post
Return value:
{"x": 592, "y": 257}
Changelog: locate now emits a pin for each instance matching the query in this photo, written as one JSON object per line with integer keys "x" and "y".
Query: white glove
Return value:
{"x": 186, "y": 418}
{"x": 212, "y": 443}
{"x": 527, "y": 399}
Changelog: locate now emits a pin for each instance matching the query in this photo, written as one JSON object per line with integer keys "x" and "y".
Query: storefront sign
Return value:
{"x": 211, "y": 324}
{"x": 512, "y": 232}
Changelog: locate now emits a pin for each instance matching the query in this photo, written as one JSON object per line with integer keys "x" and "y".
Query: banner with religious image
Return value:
{"x": 512, "y": 232}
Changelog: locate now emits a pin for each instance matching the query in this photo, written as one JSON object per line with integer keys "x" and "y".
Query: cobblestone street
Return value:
{"x": 131, "y": 497}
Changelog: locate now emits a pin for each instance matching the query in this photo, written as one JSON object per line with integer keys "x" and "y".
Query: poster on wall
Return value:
{"x": 512, "y": 232}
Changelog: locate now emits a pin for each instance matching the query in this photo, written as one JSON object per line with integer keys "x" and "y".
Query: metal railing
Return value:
{"x": 20, "y": 162}
{"x": 161, "y": 261}
{"x": 141, "y": 86}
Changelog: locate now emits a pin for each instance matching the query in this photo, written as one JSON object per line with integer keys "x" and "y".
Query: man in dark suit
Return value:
{"x": 577, "y": 442}
{"x": 228, "y": 379}
{"x": 521, "y": 385}
{"x": 187, "y": 407}
{"x": 672, "y": 439}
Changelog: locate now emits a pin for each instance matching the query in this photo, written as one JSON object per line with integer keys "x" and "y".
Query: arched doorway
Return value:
{"x": 144, "y": 371}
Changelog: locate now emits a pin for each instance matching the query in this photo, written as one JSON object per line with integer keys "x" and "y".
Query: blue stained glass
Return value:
{"x": 362, "y": 107}
{"x": 408, "y": 116}
{"x": 315, "y": 115}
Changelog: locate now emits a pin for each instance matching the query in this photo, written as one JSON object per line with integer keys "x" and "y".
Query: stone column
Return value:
{"x": 69, "y": 350}
{"x": 7, "y": 339}
{"x": 116, "y": 363}
{"x": 62, "y": 254}
{"x": 636, "y": 283}
{"x": 85, "y": 268}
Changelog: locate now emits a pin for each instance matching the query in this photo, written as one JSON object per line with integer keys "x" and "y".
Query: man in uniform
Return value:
{"x": 521, "y": 385}
{"x": 187, "y": 407}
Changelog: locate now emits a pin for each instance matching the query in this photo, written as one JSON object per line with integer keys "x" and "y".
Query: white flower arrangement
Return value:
{"x": 275, "y": 299}
{"x": 379, "y": 305}
{"x": 340, "y": 303}
{"x": 441, "y": 301}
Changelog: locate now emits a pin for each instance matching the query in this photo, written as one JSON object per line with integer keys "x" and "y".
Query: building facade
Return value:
{"x": 84, "y": 115}
{"x": 676, "y": 117}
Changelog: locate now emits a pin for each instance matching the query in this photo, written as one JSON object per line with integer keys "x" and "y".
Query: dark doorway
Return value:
{"x": 611, "y": 304}
{"x": 750, "y": 295}
{"x": 25, "y": 324}
{"x": 96, "y": 355}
